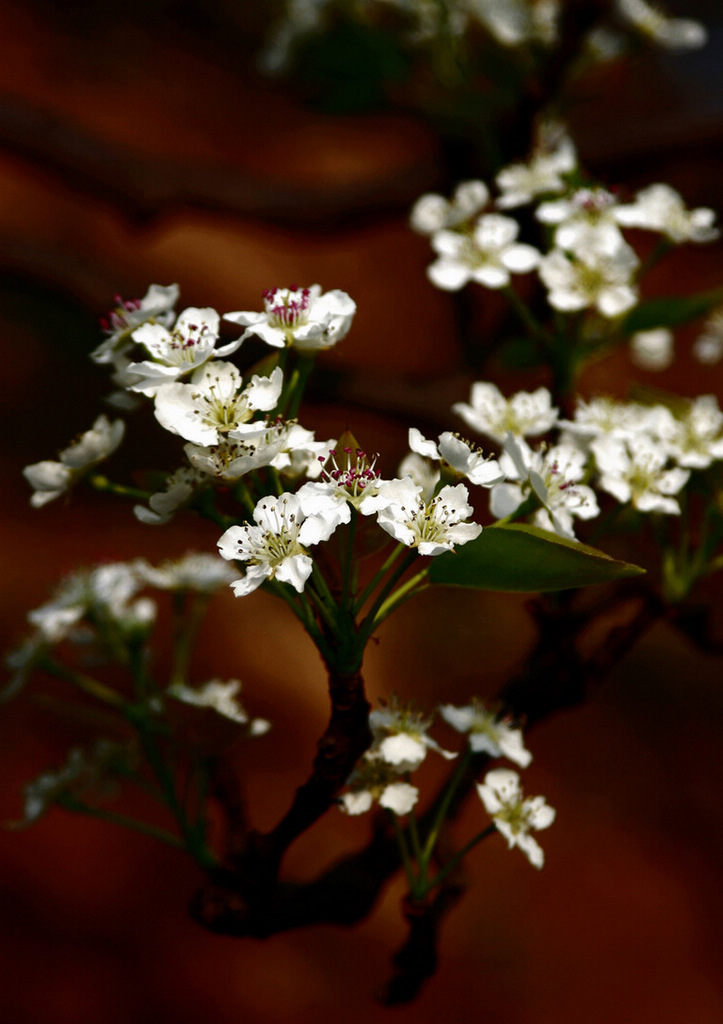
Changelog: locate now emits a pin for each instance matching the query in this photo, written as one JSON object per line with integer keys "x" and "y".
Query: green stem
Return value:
{"x": 299, "y": 380}
{"x": 527, "y": 317}
{"x": 348, "y": 564}
{"x": 404, "y": 853}
{"x": 417, "y": 849}
{"x": 186, "y": 629}
{"x": 455, "y": 860}
{"x": 370, "y": 621}
{"x": 83, "y": 682}
{"x": 369, "y": 589}
{"x": 106, "y": 486}
{"x": 70, "y": 803}
{"x": 444, "y": 804}
{"x": 407, "y": 590}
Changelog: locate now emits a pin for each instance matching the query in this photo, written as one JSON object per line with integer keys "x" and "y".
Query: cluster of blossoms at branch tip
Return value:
{"x": 86, "y": 773}
{"x": 589, "y": 264}
{"x": 97, "y": 609}
{"x": 511, "y": 24}
{"x": 642, "y": 454}
{"x": 400, "y": 744}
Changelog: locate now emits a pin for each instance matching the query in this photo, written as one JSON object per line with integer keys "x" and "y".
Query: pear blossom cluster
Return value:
{"x": 400, "y": 744}
{"x": 582, "y": 258}
{"x": 510, "y": 24}
{"x": 97, "y": 609}
{"x": 639, "y": 454}
{"x": 86, "y": 772}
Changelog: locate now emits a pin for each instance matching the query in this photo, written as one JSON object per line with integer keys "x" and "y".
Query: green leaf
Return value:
{"x": 670, "y": 312}
{"x": 524, "y": 558}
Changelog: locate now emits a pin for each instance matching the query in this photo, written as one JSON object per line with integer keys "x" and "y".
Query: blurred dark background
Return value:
{"x": 138, "y": 145}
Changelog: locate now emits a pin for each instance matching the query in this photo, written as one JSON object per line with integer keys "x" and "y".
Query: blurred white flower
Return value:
{"x": 374, "y": 778}
{"x": 543, "y": 174}
{"x": 591, "y": 279}
{"x": 221, "y": 698}
{"x": 432, "y": 212}
{"x": 514, "y": 816}
{"x": 488, "y": 734}
{"x": 489, "y": 412}
{"x": 671, "y": 33}
{"x": 400, "y": 736}
{"x": 660, "y": 208}
{"x": 635, "y": 470}
{"x": 51, "y": 479}
{"x": 653, "y": 350}
{"x": 488, "y": 256}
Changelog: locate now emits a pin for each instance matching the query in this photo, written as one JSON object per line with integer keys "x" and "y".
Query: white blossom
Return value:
{"x": 459, "y": 455}
{"x": 422, "y": 471}
{"x": 585, "y": 221}
{"x": 178, "y": 490}
{"x": 179, "y": 351}
{"x": 544, "y": 173}
{"x": 660, "y": 208}
{"x": 708, "y": 346}
{"x": 215, "y": 403}
{"x": 400, "y": 736}
{"x": 432, "y": 212}
{"x": 670, "y": 33}
{"x": 84, "y": 771}
{"x": 488, "y": 734}
{"x": 275, "y": 548}
{"x": 512, "y": 22}
{"x": 654, "y": 349}
{"x": 374, "y": 778}
{"x": 221, "y": 698}
{"x": 51, "y": 479}
{"x": 302, "y": 317}
{"x": 489, "y": 412}
{"x": 488, "y": 256}
{"x": 514, "y": 816}
{"x": 591, "y": 279}
{"x": 199, "y": 571}
{"x": 104, "y": 593}
{"x": 605, "y": 416}
{"x": 156, "y": 306}
{"x": 553, "y": 475}
{"x": 635, "y": 470}
{"x": 430, "y": 526}
{"x": 695, "y": 437}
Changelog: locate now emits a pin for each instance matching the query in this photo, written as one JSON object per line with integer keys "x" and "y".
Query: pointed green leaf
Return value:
{"x": 671, "y": 311}
{"x": 524, "y": 558}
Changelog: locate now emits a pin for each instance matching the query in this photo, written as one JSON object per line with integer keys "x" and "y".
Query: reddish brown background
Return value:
{"x": 134, "y": 148}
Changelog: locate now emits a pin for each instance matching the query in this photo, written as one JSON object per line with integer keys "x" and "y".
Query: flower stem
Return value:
{"x": 70, "y": 803}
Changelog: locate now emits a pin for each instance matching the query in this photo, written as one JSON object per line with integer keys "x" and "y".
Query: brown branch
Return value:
{"x": 244, "y": 901}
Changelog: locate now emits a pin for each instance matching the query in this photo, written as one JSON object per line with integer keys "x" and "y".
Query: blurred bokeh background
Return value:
{"x": 138, "y": 144}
